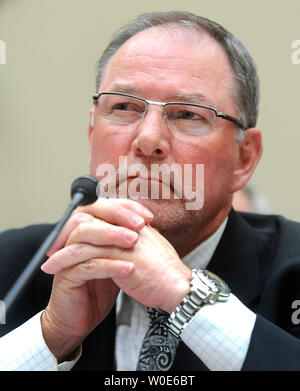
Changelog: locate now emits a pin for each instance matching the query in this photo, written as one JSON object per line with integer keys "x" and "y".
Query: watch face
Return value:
{"x": 220, "y": 284}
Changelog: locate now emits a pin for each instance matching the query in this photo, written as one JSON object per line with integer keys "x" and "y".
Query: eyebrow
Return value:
{"x": 194, "y": 98}
{"x": 126, "y": 89}
{"x": 189, "y": 98}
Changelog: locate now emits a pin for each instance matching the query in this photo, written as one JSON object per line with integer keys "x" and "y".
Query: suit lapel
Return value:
{"x": 236, "y": 259}
{"x": 236, "y": 262}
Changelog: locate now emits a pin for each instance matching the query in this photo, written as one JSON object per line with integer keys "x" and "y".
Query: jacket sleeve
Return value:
{"x": 17, "y": 247}
{"x": 275, "y": 339}
{"x": 272, "y": 349}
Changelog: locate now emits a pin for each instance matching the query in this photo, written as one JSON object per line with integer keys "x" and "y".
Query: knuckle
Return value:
{"x": 75, "y": 249}
{"x": 80, "y": 217}
{"x": 111, "y": 234}
{"x": 115, "y": 207}
{"x": 88, "y": 266}
{"x": 127, "y": 201}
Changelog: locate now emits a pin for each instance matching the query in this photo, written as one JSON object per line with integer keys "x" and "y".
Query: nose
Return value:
{"x": 152, "y": 138}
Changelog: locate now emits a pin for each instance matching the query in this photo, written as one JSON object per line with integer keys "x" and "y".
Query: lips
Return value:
{"x": 158, "y": 182}
{"x": 149, "y": 178}
{"x": 150, "y": 187}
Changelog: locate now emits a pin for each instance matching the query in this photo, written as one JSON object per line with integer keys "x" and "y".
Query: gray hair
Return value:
{"x": 246, "y": 88}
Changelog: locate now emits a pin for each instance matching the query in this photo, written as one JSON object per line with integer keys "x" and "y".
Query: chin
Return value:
{"x": 171, "y": 216}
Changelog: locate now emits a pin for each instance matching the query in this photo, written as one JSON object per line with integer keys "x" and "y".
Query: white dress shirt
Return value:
{"x": 218, "y": 334}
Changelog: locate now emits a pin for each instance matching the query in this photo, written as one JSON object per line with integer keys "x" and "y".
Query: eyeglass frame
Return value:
{"x": 147, "y": 102}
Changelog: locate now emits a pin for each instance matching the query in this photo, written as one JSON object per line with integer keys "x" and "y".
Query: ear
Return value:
{"x": 91, "y": 130}
{"x": 250, "y": 151}
{"x": 91, "y": 122}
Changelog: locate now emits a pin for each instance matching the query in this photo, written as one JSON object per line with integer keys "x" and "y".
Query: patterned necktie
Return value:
{"x": 159, "y": 345}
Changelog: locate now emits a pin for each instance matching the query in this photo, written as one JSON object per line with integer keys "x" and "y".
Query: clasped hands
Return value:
{"x": 105, "y": 247}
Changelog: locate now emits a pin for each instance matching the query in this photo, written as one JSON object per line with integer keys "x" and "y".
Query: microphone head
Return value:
{"x": 87, "y": 186}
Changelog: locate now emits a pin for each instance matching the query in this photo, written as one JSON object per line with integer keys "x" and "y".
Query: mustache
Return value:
{"x": 155, "y": 173}
{"x": 161, "y": 178}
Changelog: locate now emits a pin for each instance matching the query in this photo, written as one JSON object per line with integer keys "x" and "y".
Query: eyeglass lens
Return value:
{"x": 180, "y": 117}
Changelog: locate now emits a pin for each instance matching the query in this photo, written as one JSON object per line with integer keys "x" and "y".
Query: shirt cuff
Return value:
{"x": 24, "y": 349}
{"x": 219, "y": 334}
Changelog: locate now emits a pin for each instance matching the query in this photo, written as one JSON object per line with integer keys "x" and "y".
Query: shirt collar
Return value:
{"x": 200, "y": 257}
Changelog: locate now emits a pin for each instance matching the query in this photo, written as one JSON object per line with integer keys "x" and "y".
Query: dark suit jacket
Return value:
{"x": 258, "y": 256}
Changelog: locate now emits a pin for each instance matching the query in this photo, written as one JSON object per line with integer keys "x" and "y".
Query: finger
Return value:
{"x": 100, "y": 268}
{"x": 137, "y": 208}
{"x": 75, "y": 220}
{"x": 127, "y": 213}
{"x": 78, "y": 252}
{"x": 121, "y": 212}
{"x": 100, "y": 233}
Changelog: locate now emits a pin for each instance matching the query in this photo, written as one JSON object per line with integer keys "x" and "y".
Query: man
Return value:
{"x": 249, "y": 199}
{"x": 173, "y": 88}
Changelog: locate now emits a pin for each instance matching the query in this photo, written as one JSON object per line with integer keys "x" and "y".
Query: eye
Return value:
{"x": 127, "y": 106}
{"x": 190, "y": 115}
{"x": 121, "y": 106}
{"x": 190, "y": 119}
{"x": 187, "y": 115}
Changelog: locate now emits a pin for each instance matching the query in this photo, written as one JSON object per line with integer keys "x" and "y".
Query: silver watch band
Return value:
{"x": 205, "y": 288}
{"x": 185, "y": 311}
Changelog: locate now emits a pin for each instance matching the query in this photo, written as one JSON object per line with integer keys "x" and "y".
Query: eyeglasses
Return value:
{"x": 183, "y": 117}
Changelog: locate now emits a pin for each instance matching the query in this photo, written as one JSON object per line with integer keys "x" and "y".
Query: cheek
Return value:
{"x": 219, "y": 159}
{"x": 219, "y": 175}
{"x": 215, "y": 154}
{"x": 107, "y": 147}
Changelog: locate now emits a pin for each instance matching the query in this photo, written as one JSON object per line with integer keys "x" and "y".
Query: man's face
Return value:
{"x": 162, "y": 65}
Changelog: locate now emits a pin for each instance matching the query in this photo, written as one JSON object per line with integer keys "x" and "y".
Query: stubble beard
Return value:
{"x": 171, "y": 218}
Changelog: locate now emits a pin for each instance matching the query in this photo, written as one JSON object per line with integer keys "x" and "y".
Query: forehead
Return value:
{"x": 170, "y": 60}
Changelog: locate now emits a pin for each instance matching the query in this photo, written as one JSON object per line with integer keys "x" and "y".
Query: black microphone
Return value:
{"x": 83, "y": 192}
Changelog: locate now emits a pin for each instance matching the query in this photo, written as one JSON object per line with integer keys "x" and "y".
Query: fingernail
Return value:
{"x": 130, "y": 236}
{"x": 127, "y": 267}
{"x": 137, "y": 220}
{"x": 149, "y": 214}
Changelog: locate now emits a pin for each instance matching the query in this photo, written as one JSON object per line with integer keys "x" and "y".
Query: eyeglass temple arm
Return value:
{"x": 232, "y": 119}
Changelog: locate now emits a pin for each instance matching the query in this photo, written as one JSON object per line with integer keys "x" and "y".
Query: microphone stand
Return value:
{"x": 79, "y": 196}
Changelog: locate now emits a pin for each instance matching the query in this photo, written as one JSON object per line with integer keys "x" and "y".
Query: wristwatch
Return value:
{"x": 206, "y": 288}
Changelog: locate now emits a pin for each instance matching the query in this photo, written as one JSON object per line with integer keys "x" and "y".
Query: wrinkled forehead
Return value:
{"x": 171, "y": 40}
{"x": 171, "y": 60}
{"x": 170, "y": 33}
